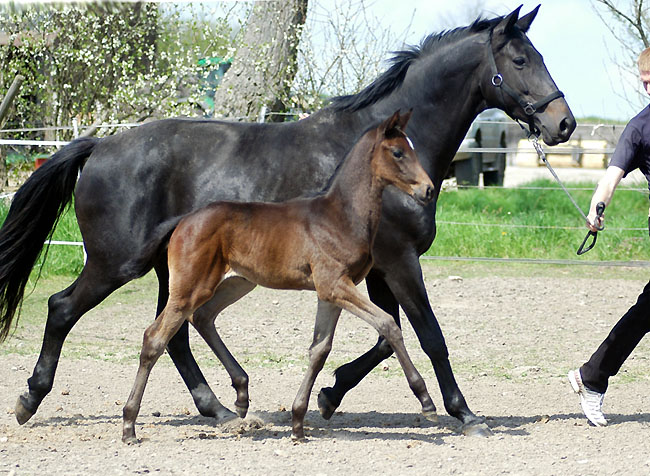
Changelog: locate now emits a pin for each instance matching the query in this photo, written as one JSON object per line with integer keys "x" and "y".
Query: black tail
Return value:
{"x": 34, "y": 212}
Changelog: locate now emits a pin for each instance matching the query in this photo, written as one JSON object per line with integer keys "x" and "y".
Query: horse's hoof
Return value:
{"x": 476, "y": 429}
{"x": 241, "y": 411}
{"x": 298, "y": 438}
{"x": 128, "y": 437}
{"x": 22, "y": 414}
{"x": 325, "y": 405}
{"x": 431, "y": 415}
{"x": 223, "y": 415}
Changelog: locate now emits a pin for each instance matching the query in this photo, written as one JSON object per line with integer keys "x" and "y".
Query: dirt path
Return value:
{"x": 512, "y": 332}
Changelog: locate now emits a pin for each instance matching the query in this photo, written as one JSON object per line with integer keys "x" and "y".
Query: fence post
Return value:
{"x": 262, "y": 115}
{"x": 11, "y": 94}
{"x": 4, "y": 110}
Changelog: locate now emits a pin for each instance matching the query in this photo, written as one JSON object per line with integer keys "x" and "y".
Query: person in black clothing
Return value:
{"x": 632, "y": 152}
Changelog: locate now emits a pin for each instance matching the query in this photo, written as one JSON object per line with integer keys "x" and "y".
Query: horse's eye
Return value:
{"x": 519, "y": 61}
{"x": 398, "y": 153}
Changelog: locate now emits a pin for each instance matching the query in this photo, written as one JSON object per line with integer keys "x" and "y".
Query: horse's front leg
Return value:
{"x": 346, "y": 295}
{"x": 406, "y": 285}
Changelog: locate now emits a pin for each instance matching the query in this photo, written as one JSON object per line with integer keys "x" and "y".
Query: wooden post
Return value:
{"x": 11, "y": 94}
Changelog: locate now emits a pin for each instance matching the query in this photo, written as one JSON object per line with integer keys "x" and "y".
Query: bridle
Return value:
{"x": 499, "y": 83}
{"x": 530, "y": 109}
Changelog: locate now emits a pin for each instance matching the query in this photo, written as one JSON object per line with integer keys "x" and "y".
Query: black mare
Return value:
{"x": 133, "y": 181}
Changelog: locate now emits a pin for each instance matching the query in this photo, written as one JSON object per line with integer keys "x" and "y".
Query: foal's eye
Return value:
{"x": 398, "y": 153}
{"x": 519, "y": 61}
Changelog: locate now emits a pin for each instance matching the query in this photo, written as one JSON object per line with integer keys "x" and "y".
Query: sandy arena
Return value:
{"x": 513, "y": 331}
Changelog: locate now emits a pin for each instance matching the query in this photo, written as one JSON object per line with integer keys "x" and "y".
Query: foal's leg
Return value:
{"x": 156, "y": 338}
{"x": 404, "y": 283}
{"x": 349, "y": 375}
{"x": 181, "y": 354}
{"x": 349, "y": 298}
{"x": 229, "y": 291}
{"x": 326, "y": 318}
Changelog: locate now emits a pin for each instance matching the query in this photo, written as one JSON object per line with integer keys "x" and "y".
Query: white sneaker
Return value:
{"x": 591, "y": 401}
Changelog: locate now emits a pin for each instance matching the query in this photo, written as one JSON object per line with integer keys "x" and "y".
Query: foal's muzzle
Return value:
{"x": 424, "y": 192}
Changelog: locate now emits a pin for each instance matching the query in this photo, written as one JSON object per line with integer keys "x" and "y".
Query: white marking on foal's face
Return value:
{"x": 408, "y": 139}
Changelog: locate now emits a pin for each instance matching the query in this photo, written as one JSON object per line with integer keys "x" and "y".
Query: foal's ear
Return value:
{"x": 506, "y": 25}
{"x": 395, "y": 124}
{"x": 524, "y": 22}
{"x": 388, "y": 126}
{"x": 404, "y": 119}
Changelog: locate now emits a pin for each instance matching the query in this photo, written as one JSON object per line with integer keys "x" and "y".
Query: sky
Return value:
{"x": 575, "y": 44}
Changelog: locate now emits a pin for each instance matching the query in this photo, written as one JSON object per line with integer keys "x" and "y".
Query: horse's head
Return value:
{"x": 395, "y": 161}
{"x": 517, "y": 81}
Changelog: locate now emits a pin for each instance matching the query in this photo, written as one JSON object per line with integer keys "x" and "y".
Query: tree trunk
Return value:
{"x": 265, "y": 63}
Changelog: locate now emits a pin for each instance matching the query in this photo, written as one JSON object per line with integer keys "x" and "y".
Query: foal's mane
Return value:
{"x": 339, "y": 166}
{"x": 393, "y": 77}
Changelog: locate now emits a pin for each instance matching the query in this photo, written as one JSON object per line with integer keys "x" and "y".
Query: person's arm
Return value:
{"x": 604, "y": 193}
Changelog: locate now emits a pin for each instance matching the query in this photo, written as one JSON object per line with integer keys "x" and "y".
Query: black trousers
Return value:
{"x": 619, "y": 344}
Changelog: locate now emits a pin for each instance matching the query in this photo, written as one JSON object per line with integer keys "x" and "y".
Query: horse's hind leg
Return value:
{"x": 64, "y": 311}
{"x": 229, "y": 291}
{"x": 179, "y": 351}
{"x": 327, "y": 317}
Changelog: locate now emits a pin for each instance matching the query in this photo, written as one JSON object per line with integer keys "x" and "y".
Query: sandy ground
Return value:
{"x": 513, "y": 332}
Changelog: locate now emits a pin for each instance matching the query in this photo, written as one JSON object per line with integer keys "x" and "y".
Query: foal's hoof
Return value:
{"x": 22, "y": 414}
{"x": 431, "y": 415}
{"x": 130, "y": 440}
{"x": 476, "y": 429}
{"x": 325, "y": 405}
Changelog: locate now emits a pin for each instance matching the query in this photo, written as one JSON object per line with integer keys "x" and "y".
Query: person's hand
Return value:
{"x": 594, "y": 222}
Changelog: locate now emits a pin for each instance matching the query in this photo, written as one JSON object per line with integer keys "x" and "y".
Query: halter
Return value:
{"x": 530, "y": 109}
{"x": 498, "y": 82}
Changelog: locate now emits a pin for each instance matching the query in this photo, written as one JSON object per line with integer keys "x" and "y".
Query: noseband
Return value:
{"x": 498, "y": 82}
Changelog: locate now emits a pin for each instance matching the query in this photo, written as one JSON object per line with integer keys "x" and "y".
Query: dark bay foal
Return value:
{"x": 321, "y": 243}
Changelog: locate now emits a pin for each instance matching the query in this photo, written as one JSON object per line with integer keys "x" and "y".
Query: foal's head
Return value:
{"x": 395, "y": 161}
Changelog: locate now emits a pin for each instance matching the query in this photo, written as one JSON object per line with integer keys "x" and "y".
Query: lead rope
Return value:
{"x": 540, "y": 152}
{"x": 600, "y": 208}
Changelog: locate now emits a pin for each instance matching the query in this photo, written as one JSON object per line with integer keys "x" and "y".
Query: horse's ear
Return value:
{"x": 506, "y": 25}
{"x": 524, "y": 22}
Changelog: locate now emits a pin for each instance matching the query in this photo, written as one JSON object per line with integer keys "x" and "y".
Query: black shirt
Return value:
{"x": 633, "y": 148}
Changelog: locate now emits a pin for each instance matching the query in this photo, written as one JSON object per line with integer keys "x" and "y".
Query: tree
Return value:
{"x": 630, "y": 27}
{"x": 264, "y": 65}
{"x": 341, "y": 52}
{"x": 103, "y": 61}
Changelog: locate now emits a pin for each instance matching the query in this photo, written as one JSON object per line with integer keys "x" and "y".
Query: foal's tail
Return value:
{"x": 34, "y": 212}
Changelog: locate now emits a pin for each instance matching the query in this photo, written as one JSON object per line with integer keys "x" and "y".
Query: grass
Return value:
{"x": 538, "y": 221}
{"x": 58, "y": 260}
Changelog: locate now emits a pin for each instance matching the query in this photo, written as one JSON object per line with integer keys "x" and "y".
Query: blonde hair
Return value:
{"x": 644, "y": 61}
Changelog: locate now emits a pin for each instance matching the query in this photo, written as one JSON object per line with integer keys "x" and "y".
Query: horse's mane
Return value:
{"x": 392, "y": 78}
